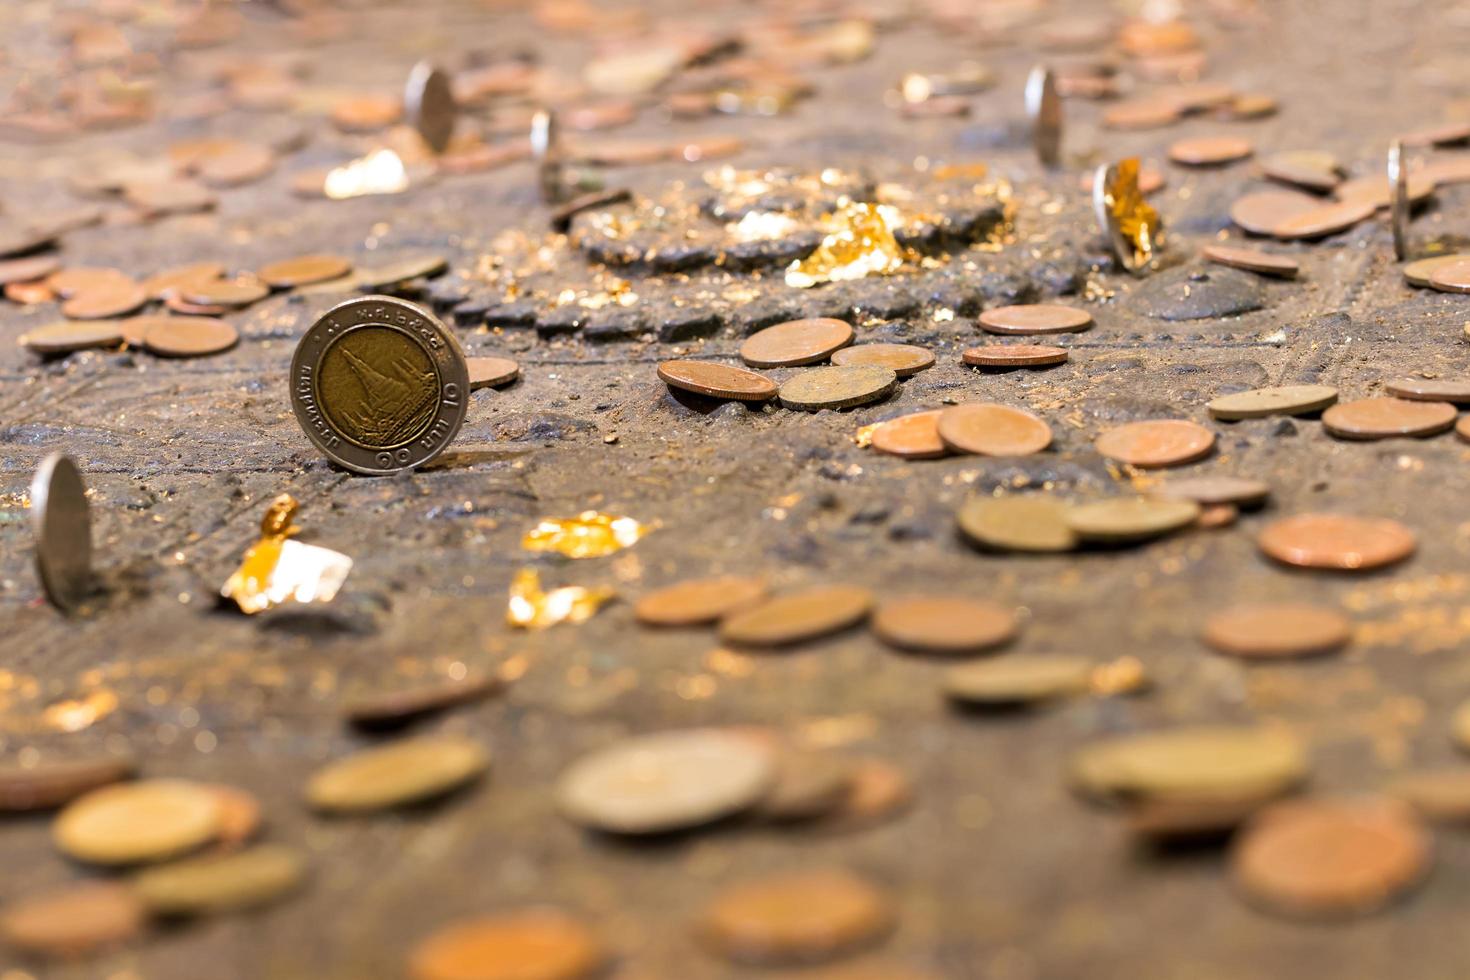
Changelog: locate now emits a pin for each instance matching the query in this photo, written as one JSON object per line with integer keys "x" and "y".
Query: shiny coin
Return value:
{"x": 530, "y": 944}
{"x": 1044, "y": 108}
{"x": 132, "y": 822}
{"x": 943, "y": 624}
{"x": 188, "y": 336}
{"x": 105, "y": 302}
{"x": 241, "y": 291}
{"x": 400, "y": 271}
{"x": 902, "y": 359}
{"x": 1312, "y": 169}
{"x": 1210, "y": 151}
{"x": 1283, "y": 400}
{"x": 698, "y": 601}
{"x": 28, "y": 269}
{"x": 491, "y": 372}
{"x": 1438, "y": 795}
{"x": 160, "y": 285}
{"x": 1451, "y": 277}
{"x": 1277, "y": 630}
{"x": 1337, "y": 541}
{"x": 1157, "y": 443}
{"x": 669, "y": 781}
{"x": 795, "y": 342}
{"x": 50, "y": 784}
{"x": 67, "y": 336}
{"x": 1034, "y": 522}
{"x": 396, "y": 774}
{"x": 1328, "y": 219}
{"x": 1213, "y": 490}
{"x": 1330, "y": 857}
{"x": 992, "y": 430}
{"x": 1420, "y": 272}
{"x": 837, "y": 387}
{"x": 913, "y": 436}
{"x": 1014, "y": 356}
{"x": 1385, "y": 418}
{"x": 717, "y": 380}
{"x": 73, "y": 920}
{"x": 1262, "y": 212}
{"x": 1398, "y": 202}
{"x": 428, "y": 105}
{"x": 798, "y": 616}
{"x": 61, "y": 522}
{"x": 1253, "y": 260}
{"x": 1221, "y": 762}
{"x": 303, "y": 270}
{"x": 808, "y": 785}
{"x": 397, "y": 706}
{"x": 221, "y": 883}
{"x": 1024, "y": 679}
{"x": 795, "y": 917}
{"x": 1126, "y": 519}
{"x": 379, "y": 385}
{"x": 1035, "y": 318}
{"x": 1431, "y": 389}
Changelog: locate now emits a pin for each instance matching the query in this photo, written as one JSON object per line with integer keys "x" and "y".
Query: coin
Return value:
{"x": 1044, "y": 108}
{"x": 1035, "y": 318}
{"x": 401, "y": 271}
{"x": 795, "y": 342}
{"x": 365, "y": 113}
{"x": 914, "y": 436}
{"x": 129, "y": 823}
{"x": 396, "y": 774}
{"x": 1014, "y": 356}
{"x": 1377, "y": 191}
{"x": 1210, "y": 151}
{"x": 798, "y": 616}
{"x": 526, "y": 944}
{"x": 992, "y": 430}
{"x": 717, "y": 380}
{"x": 1127, "y": 519}
{"x": 1337, "y": 541}
{"x": 158, "y": 198}
{"x": 1282, "y": 400}
{"x": 698, "y": 601}
{"x": 392, "y": 707}
{"x": 51, "y": 783}
{"x": 1444, "y": 134}
{"x": 491, "y": 372}
{"x": 1385, "y": 418}
{"x": 547, "y": 152}
{"x": 1141, "y": 114}
{"x": 795, "y": 918}
{"x": 943, "y": 624}
{"x": 1330, "y": 857}
{"x": 29, "y": 293}
{"x": 1034, "y": 522}
{"x": 61, "y": 523}
{"x": 1213, "y": 490}
{"x": 66, "y": 336}
{"x": 428, "y": 105}
{"x": 218, "y": 883}
{"x": 1430, "y": 389}
{"x": 1174, "y": 819}
{"x": 188, "y": 336}
{"x": 379, "y": 385}
{"x": 1214, "y": 516}
{"x": 1247, "y": 762}
{"x": 808, "y": 785}
{"x": 1012, "y": 681}
{"x": 303, "y": 270}
{"x": 667, "y": 781}
{"x": 160, "y": 285}
{"x": 106, "y": 302}
{"x": 1451, "y": 277}
{"x": 1327, "y": 219}
{"x": 1398, "y": 205}
{"x": 837, "y": 387}
{"x": 1462, "y": 428}
{"x": 1156, "y": 443}
{"x": 902, "y": 359}
{"x": 240, "y": 291}
{"x": 73, "y": 280}
{"x": 1276, "y": 630}
{"x": 1312, "y": 169}
{"x": 1438, "y": 795}
{"x": 877, "y": 791}
{"x": 28, "y": 269}
{"x": 1262, "y": 212}
{"x": 1253, "y": 260}
{"x": 73, "y": 920}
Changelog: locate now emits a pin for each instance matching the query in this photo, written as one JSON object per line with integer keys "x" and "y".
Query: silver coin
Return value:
{"x": 379, "y": 385}
{"x": 61, "y": 520}
{"x": 428, "y": 105}
{"x": 1398, "y": 183}
{"x": 1044, "y": 107}
{"x": 1107, "y": 222}
{"x": 546, "y": 151}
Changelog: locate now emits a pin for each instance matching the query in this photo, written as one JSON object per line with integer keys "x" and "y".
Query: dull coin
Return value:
{"x": 397, "y": 774}
{"x": 61, "y": 523}
{"x": 1253, "y": 260}
{"x": 902, "y": 359}
{"x": 798, "y": 616}
{"x": 130, "y": 823}
{"x": 303, "y": 270}
{"x": 160, "y": 285}
{"x": 189, "y": 336}
{"x": 992, "y": 430}
{"x": 28, "y": 269}
{"x": 1033, "y": 523}
{"x": 74, "y": 919}
{"x": 1421, "y": 271}
{"x": 393, "y": 707}
{"x": 913, "y": 436}
{"x": 808, "y": 785}
{"x": 1385, "y": 418}
{"x": 1324, "y": 220}
{"x": 1281, "y": 400}
{"x": 1439, "y": 795}
{"x": 240, "y": 291}
{"x": 77, "y": 279}
{"x": 1157, "y": 443}
{"x": 795, "y": 917}
{"x": 1462, "y": 428}
{"x": 1185, "y": 818}
{"x": 491, "y": 372}
{"x": 1431, "y": 389}
{"x": 527, "y": 944}
{"x": 1211, "y": 491}
{"x": 1035, "y": 318}
{"x": 53, "y": 783}
{"x": 837, "y": 387}
{"x": 1018, "y": 680}
{"x": 400, "y": 271}
{"x": 1337, "y": 541}
{"x": 1210, "y": 151}
{"x": 877, "y": 791}
{"x": 1215, "y": 761}
{"x": 1126, "y": 519}
{"x": 717, "y": 380}
{"x": 1378, "y": 192}
{"x": 1451, "y": 277}
{"x": 943, "y": 624}
{"x": 1312, "y": 169}
{"x": 218, "y": 883}
{"x": 1014, "y": 356}
{"x": 795, "y": 342}
{"x": 1277, "y": 630}
{"x": 66, "y": 336}
{"x": 428, "y": 105}
{"x": 698, "y": 601}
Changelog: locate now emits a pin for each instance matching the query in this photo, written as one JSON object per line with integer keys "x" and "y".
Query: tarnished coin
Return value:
{"x": 66, "y": 336}
{"x": 1282, "y": 400}
{"x": 528, "y": 944}
{"x": 1035, "y": 318}
{"x": 1385, "y": 418}
{"x": 1312, "y": 169}
{"x": 1210, "y": 151}
{"x": 1014, "y": 356}
{"x": 902, "y": 359}
{"x": 73, "y": 920}
{"x": 1262, "y": 212}
{"x": 1439, "y": 795}
{"x": 105, "y": 302}
{"x": 717, "y": 380}
{"x": 396, "y": 774}
{"x": 798, "y": 616}
{"x": 189, "y": 336}
{"x": 491, "y": 372}
{"x": 1253, "y": 260}
{"x": 795, "y": 917}
{"x": 1330, "y": 857}
{"x": 303, "y": 270}
{"x": 428, "y": 105}
{"x": 795, "y": 342}
{"x": 1431, "y": 389}
{"x": 240, "y": 291}
{"x": 28, "y": 269}
{"x": 1337, "y": 541}
{"x": 698, "y": 601}
{"x": 1125, "y": 519}
{"x": 913, "y": 436}
{"x": 391, "y": 707}
{"x": 943, "y": 624}
{"x": 1324, "y": 220}
{"x": 1033, "y": 522}
{"x": 1022, "y": 679}
{"x": 992, "y": 430}
{"x": 61, "y": 523}
{"x": 130, "y": 823}
{"x": 221, "y": 882}
{"x": 52, "y": 783}
{"x": 1277, "y": 630}
{"x": 160, "y": 285}
{"x": 668, "y": 781}
{"x": 1157, "y": 443}
{"x": 1210, "y": 491}
{"x": 1044, "y": 108}
{"x": 837, "y": 387}
{"x": 1421, "y": 271}
{"x": 379, "y": 385}
{"x": 1219, "y": 762}
{"x": 1451, "y": 277}
{"x": 808, "y": 785}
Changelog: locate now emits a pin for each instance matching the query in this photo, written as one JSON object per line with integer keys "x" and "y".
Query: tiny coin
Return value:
{"x": 795, "y": 918}
{"x": 1312, "y": 169}
{"x": 1337, "y": 541}
{"x": 1032, "y": 522}
{"x": 240, "y": 291}
{"x": 188, "y": 336}
{"x": 396, "y": 774}
{"x": 105, "y": 302}
{"x": 52, "y": 783}
{"x": 992, "y": 430}
{"x": 1210, "y": 151}
{"x": 698, "y": 601}
{"x": 1262, "y": 212}
{"x": 1157, "y": 443}
{"x": 1398, "y": 205}
{"x": 66, "y": 336}
{"x": 1127, "y": 519}
{"x": 1324, "y": 220}
{"x": 1211, "y": 491}
{"x": 902, "y": 359}
{"x": 428, "y": 105}
{"x": 527, "y": 944}
{"x": 128, "y": 823}
{"x": 795, "y": 342}
{"x": 491, "y": 372}
{"x": 808, "y": 785}
{"x": 1431, "y": 389}
{"x": 667, "y": 781}
{"x": 1277, "y": 630}
{"x": 1011, "y": 681}
{"x": 61, "y": 522}
{"x": 1282, "y": 400}
{"x": 393, "y": 707}
{"x": 1253, "y": 260}
{"x": 221, "y": 882}
{"x": 1439, "y": 795}
{"x": 717, "y": 380}
{"x": 303, "y": 270}
{"x": 1014, "y": 356}
{"x": 1451, "y": 277}
{"x": 1385, "y": 418}
{"x": 1035, "y": 318}
{"x": 837, "y": 387}
{"x": 1044, "y": 108}
{"x": 1209, "y": 761}
{"x": 28, "y": 269}
{"x": 943, "y": 624}
{"x": 160, "y": 285}
{"x": 914, "y": 436}
{"x": 1421, "y": 271}
{"x": 73, "y": 920}
{"x": 379, "y": 385}
{"x": 798, "y": 616}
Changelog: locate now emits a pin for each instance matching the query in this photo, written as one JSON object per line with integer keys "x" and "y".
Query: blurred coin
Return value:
{"x": 365, "y": 113}
{"x": 943, "y": 624}
{"x": 1014, "y": 356}
{"x": 1126, "y": 519}
{"x": 74, "y": 919}
{"x": 1430, "y": 389}
{"x": 798, "y": 616}
{"x": 52, "y": 783}
{"x": 877, "y": 791}
{"x": 391, "y": 707}
{"x": 400, "y": 271}
{"x": 491, "y": 372}
{"x": 128, "y": 823}
{"x": 1141, "y": 114}
{"x": 914, "y": 436}
{"x": 546, "y": 150}
{"x": 698, "y": 601}
{"x": 165, "y": 197}
{"x": 562, "y": 215}
{"x": 61, "y": 523}
{"x": 1253, "y": 260}
{"x": 992, "y": 430}
{"x": 1023, "y": 679}
{"x": 66, "y": 336}
{"x": 29, "y": 293}
{"x": 1385, "y": 418}
{"x": 1337, "y": 541}
{"x": 527, "y": 944}
{"x": 1313, "y": 169}
{"x": 1327, "y": 219}
{"x": 218, "y": 883}
{"x": 74, "y": 280}
{"x": 1451, "y": 277}
{"x": 1283, "y": 400}
{"x": 1156, "y": 443}
{"x": 188, "y": 336}
{"x": 1262, "y": 212}
{"x": 239, "y": 163}
{"x": 240, "y": 291}
{"x": 303, "y": 270}
{"x": 18, "y": 240}
{"x": 1212, "y": 490}
{"x": 28, "y": 269}
{"x": 837, "y": 387}
{"x": 795, "y": 918}
{"x": 795, "y": 342}
{"x": 159, "y": 285}
{"x": 1035, "y": 318}
{"x": 1181, "y": 819}
{"x": 1421, "y": 271}
{"x": 1044, "y": 108}
{"x": 1215, "y": 761}
{"x": 903, "y": 360}
{"x": 1439, "y": 795}
{"x": 1444, "y": 134}
{"x": 1032, "y": 522}
{"x": 239, "y": 816}
{"x": 400, "y": 773}
{"x": 1462, "y": 428}
{"x": 1376, "y": 191}
{"x": 1210, "y": 151}
{"x": 105, "y": 302}
{"x": 1398, "y": 204}
{"x": 1215, "y": 516}
{"x": 717, "y": 380}
{"x": 1277, "y": 630}
{"x": 808, "y": 785}
{"x": 428, "y": 105}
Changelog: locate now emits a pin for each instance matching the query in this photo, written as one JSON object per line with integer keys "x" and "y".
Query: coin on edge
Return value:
{"x": 798, "y": 616}
{"x": 1157, "y": 443}
{"x": 1282, "y": 400}
{"x": 992, "y": 430}
{"x": 428, "y": 105}
{"x": 1398, "y": 203}
{"x": 526, "y": 944}
{"x": 717, "y": 380}
{"x": 795, "y": 917}
{"x": 1386, "y": 418}
{"x": 698, "y": 601}
{"x": 221, "y": 882}
{"x": 1277, "y": 630}
{"x": 74, "y": 919}
{"x": 1032, "y": 523}
{"x": 1044, "y": 108}
{"x": 61, "y": 521}
{"x": 133, "y": 822}
{"x": 943, "y": 624}
{"x": 396, "y": 774}
{"x": 837, "y": 387}
{"x": 1337, "y": 541}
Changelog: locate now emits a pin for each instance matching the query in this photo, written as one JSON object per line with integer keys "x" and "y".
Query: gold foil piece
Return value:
{"x": 591, "y": 534}
{"x": 1137, "y": 220}
{"x": 864, "y": 437}
{"x": 380, "y": 172}
{"x": 859, "y": 243}
{"x": 276, "y": 569}
{"x": 532, "y": 608}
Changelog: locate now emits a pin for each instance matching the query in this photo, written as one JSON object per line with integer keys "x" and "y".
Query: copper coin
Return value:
{"x": 698, "y": 601}
{"x": 164, "y": 197}
{"x": 189, "y": 336}
{"x": 74, "y": 919}
{"x": 717, "y": 380}
{"x": 397, "y": 774}
{"x": 1123, "y": 520}
{"x": 127, "y": 823}
{"x": 1337, "y": 541}
{"x": 913, "y": 436}
{"x": 992, "y": 430}
{"x": 1212, "y": 517}
{"x": 1328, "y": 219}
{"x": 1186, "y": 818}
{"x": 491, "y": 372}
{"x": 1210, "y": 151}
{"x": 240, "y": 291}
{"x": 105, "y": 302}
{"x": 708, "y": 148}
{"x": 1385, "y": 418}
{"x": 1157, "y": 443}
{"x": 67, "y": 336}
{"x": 236, "y": 164}
{"x": 303, "y": 270}
{"x": 1262, "y": 212}
{"x": 28, "y": 269}
{"x": 29, "y": 293}
{"x": 1439, "y": 795}
{"x": 1430, "y": 389}
{"x": 1014, "y": 356}
{"x": 795, "y": 917}
{"x": 1420, "y": 272}
{"x": 1212, "y": 490}
{"x": 160, "y": 285}
{"x": 365, "y": 113}
{"x": 1141, "y": 114}
{"x": 902, "y": 359}
{"x": 1377, "y": 192}
{"x": 795, "y": 342}
{"x": 1282, "y": 400}
{"x": 50, "y": 784}
{"x": 943, "y": 624}
{"x": 215, "y": 883}
{"x": 1324, "y": 857}
{"x": 798, "y": 616}
{"x": 1312, "y": 169}
{"x": 530, "y": 944}
{"x": 808, "y": 785}
{"x": 877, "y": 791}
{"x": 1029, "y": 523}
{"x": 239, "y": 818}
{"x": 1451, "y": 277}
{"x": 1209, "y": 761}
{"x": 837, "y": 387}
{"x": 179, "y": 305}
{"x": 77, "y": 279}
{"x": 1462, "y": 428}
{"x": 1253, "y": 260}
{"x": 1035, "y": 318}
{"x": 392, "y": 707}
{"x": 401, "y": 270}
{"x": 1277, "y": 630}
{"x": 1022, "y": 679}
{"x": 1444, "y": 134}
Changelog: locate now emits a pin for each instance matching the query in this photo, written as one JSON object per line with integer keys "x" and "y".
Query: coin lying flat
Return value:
{"x": 218, "y": 883}
{"x": 717, "y": 380}
{"x": 1223, "y": 762}
{"x": 1385, "y": 418}
{"x": 943, "y": 624}
{"x": 1327, "y": 219}
{"x": 1127, "y": 519}
{"x": 1014, "y": 356}
{"x": 1033, "y": 523}
{"x": 52, "y": 783}
{"x": 1431, "y": 389}
{"x": 1282, "y": 400}
{"x": 133, "y": 822}
{"x": 1214, "y": 490}
{"x": 668, "y": 781}
{"x": 808, "y": 785}
{"x": 428, "y": 105}
{"x": 1312, "y": 169}
{"x": 391, "y": 707}
{"x": 1253, "y": 260}
{"x": 837, "y": 387}
{"x": 28, "y": 269}
{"x": 1378, "y": 192}
{"x": 77, "y": 279}
{"x": 1462, "y": 428}
{"x": 1421, "y": 271}
{"x": 399, "y": 271}
{"x": 66, "y": 336}
{"x": 698, "y": 601}
{"x": 798, "y": 616}
{"x": 61, "y": 523}
{"x": 105, "y": 302}
{"x": 1180, "y": 819}
{"x": 1337, "y": 541}
{"x": 1262, "y": 212}
{"x": 1438, "y": 795}
{"x": 239, "y": 291}
{"x": 878, "y": 791}
{"x": 795, "y": 342}
{"x": 74, "y": 919}
{"x": 1277, "y": 630}
{"x": 902, "y": 359}
{"x": 527, "y": 944}
{"x": 379, "y": 385}
{"x": 1210, "y": 151}
{"x": 303, "y": 270}
{"x": 795, "y": 917}
{"x": 396, "y": 774}
{"x": 1157, "y": 443}
{"x": 161, "y": 284}
{"x": 1035, "y": 318}
{"x": 188, "y": 336}
{"x": 913, "y": 436}
{"x": 1011, "y": 681}
{"x": 992, "y": 430}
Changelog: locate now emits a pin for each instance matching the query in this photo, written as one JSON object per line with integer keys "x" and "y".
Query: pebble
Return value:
{"x": 717, "y": 380}
{"x": 944, "y": 624}
{"x": 1190, "y": 294}
{"x": 985, "y": 429}
{"x": 795, "y": 342}
{"x": 794, "y": 918}
{"x": 798, "y": 616}
{"x": 400, "y": 773}
{"x": 1277, "y": 630}
{"x": 913, "y": 436}
{"x": 1282, "y": 400}
{"x": 837, "y": 387}
{"x": 698, "y": 602}
{"x": 128, "y": 823}
{"x": 903, "y": 360}
{"x": 1122, "y": 520}
{"x": 526, "y": 944}
{"x": 221, "y": 883}
{"x": 1157, "y": 443}
{"x": 1337, "y": 541}
{"x": 1386, "y": 418}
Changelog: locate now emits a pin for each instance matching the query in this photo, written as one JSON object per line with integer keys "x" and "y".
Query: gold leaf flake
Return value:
{"x": 276, "y": 569}
{"x": 530, "y": 607}
{"x": 859, "y": 243}
{"x": 591, "y": 534}
{"x": 1137, "y": 220}
{"x": 864, "y": 437}
{"x": 74, "y": 715}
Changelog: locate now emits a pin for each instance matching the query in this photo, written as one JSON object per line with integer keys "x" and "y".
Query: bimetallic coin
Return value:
{"x": 379, "y": 385}
{"x": 1044, "y": 107}
{"x": 428, "y": 105}
{"x": 1398, "y": 205}
{"x": 62, "y": 524}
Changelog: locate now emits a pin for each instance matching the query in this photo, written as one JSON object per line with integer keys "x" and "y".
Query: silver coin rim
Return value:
{"x": 65, "y": 576}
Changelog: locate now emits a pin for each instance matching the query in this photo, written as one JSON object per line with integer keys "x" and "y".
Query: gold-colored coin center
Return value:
{"x": 377, "y": 387}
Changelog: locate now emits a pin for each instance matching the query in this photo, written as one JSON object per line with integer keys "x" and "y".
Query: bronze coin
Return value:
{"x": 837, "y": 387}
{"x": 698, "y": 601}
{"x": 1385, "y": 418}
{"x": 391, "y": 707}
{"x": 877, "y": 791}
{"x": 1124, "y": 520}
{"x": 913, "y": 436}
{"x": 215, "y": 883}
{"x": 795, "y": 917}
{"x": 992, "y": 430}
{"x": 1210, "y": 151}
{"x": 1420, "y": 272}
{"x": 1212, "y": 490}
{"x": 1035, "y": 318}
{"x": 50, "y": 784}
{"x": 179, "y": 305}
{"x": 1312, "y": 169}
{"x": 67, "y": 336}
{"x": 1277, "y": 630}
{"x": 529, "y": 944}
{"x": 1216, "y": 762}
{"x": 808, "y": 785}
{"x": 1326, "y": 857}
{"x": 1439, "y": 795}
{"x": 29, "y": 293}
{"x": 1451, "y": 277}
{"x": 240, "y": 291}
{"x": 1252, "y": 260}
{"x": 1376, "y": 191}
{"x": 1337, "y": 541}
{"x": 943, "y": 624}
{"x": 1462, "y": 428}
{"x": 1187, "y": 818}
{"x": 28, "y": 269}
{"x": 795, "y": 342}
{"x": 1018, "y": 680}
{"x": 1444, "y": 134}
{"x": 399, "y": 271}
{"x": 189, "y": 336}
{"x": 1157, "y": 443}
{"x": 1281, "y": 400}
{"x": 1014, "y": 356}
{"x": 717, "y": 380}
{"x": 407, "y": 771}
{"x": 105, "y": 302}
{"x": 1141, "y": 114}
{"x": 160, "y": 285}
{"x": 797, "y": 616}
{"x": 239, "y": 815}
{"x": 1430, "y": 389}
{"x": 148, "y": 820}
{"x": 303, "y": 270}
{"x": 1262, "y": 212}
{"x": 1327, "y": 219}
{"x": 1032, "y": 522}
{"x": 73, "y": 280}
{"x": 491, "y": 372}
{"x": 164, "y": 197}
{"x": 74, "y": 919}
{"x": 237, "y": 164}
{"x": 1215, "y": 516}
{"x": 902, "y": 359}
{"x": 365, "y": 113}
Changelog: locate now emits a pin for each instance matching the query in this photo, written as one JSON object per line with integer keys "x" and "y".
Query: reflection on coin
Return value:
{"x": 902, "y": 359}
{"x": 1223, "y": 762}
{"x": 143, "y": 821}
{"x": 1033, "y": 522}
{"x": 992, "y": 430}
{"x": 1439, "y": 795}
{"x": 51, "y": 783}
{"x": 61, "y": 522}
{"x": 221, "y": 883}
{"x": 1024, "y": 679}
{"x": 1276, "y": 630}
{"x": 1014, "y": 356}
{"x": 943, "y": 624}
{"x": 428, "y": 105}
{"x": 188, "y": 336}
{"x": 1125, "y": 519}
{"x": 528, "y": 944}
{"x": 1044, "y": 107}
{"x": 697, "y": 601}
{"x": 795, "y": 342}
{"x": 795, "y": 917}
{"x": 913, "y": 436}
{"x": 303, "y": 270}
{"x": 1283, "y": 400}
{"x": 1421, "y": 271}
{"x": 837, "y": 387}
{"x": 73, "y": 919}
{"x": 391, "y": 707}
{"x": 798, "y": 616}
{"x": 1337, "y": 541}
{"x": 1157, "y": 443}
{"x": 396, "y": 774}
{"x": 491, "y": 372}
{"x": 717, "y": 380}
{"x": 668, "y": 781}
{"x": 1253, "y": 260}
{"x": 1431, "y": 389}
{"x": 379, "y": 385}
{"x": 1385, "y": 418}
{"x": 1035, "y": 318}
{"x": 1214, "y": 490}
{"x": 66, "y": 336}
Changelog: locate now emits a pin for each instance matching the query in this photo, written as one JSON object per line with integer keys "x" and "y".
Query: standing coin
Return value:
{"x": 547, "y": 152}
{"x": 379, "y": 385}
{"x": 798, "y": 616}
{"x": 428, "y": 105}
{"x": 698, "y": 601}
{"x": 1277, "y": 630}
{"x": 1337, "y": 541}
{"x": 527, "y": 944}
{"x": 1281, "y": 400}
{"x": 1035, "y": 318}
{"x": 795, "y": 342}
{"x": 1014, "y": 356}
{"x": 1385, "y": 418}
{"x": 837, "y": 387}
{"x": 796, "y": 918}
{"x": 943, "y": 624}
{"x": 396, "y": 774}
{"x": 1157, "y": 443}
{"x": 1431, "y": 389}
{"x": 1398, "y": 182}
{"x": 132, "y": 822}
{"x": 1034, "y": 522}
{"x": 903, "y": 359}
{"x": 491, "y": 372}
{"x": 992, "y": 430}
{"x": 914, "y": 436}
{"x": 61, "y": 521}
{"x": 717, "y": 380}
{"x": 1044, "y": 107}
